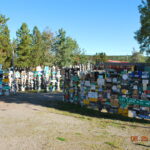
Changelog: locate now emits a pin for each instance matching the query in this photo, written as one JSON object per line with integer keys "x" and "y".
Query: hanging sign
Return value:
{"x": 93, "y": 96}
{"x": 132, "y": 101}
{"x": 75, "y": 78}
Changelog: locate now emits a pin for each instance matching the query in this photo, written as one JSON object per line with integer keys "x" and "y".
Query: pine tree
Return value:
{"x": 23, "y": 50}
{"x": 36, "y": 52}
{"x": 46, "y": 52}
{"x": 143, "y": 34}
{"x": 5, "y": 45}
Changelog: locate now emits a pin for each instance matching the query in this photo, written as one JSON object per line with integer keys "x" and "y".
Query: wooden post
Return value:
{"x": 58, "y": 77}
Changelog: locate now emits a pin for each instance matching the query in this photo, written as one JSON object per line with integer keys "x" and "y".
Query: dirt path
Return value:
{"x": 30, "y": 122}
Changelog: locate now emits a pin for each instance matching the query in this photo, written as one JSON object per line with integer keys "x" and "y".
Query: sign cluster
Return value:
{"x": 124, "y": 92}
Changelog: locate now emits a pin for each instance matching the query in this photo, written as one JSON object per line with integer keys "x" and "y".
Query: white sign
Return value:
{"x": 38, "y": 68}
{"x": 93, "y": 95}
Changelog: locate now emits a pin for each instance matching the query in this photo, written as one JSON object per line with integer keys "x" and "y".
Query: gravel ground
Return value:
{"x": 29, "y": 121}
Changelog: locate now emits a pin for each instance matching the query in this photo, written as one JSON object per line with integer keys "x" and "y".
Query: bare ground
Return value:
{"x": 31, "y": 122}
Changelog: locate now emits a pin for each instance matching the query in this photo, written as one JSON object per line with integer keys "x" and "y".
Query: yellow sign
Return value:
{"x": 123, "y": 112}
{"x": 93, "y": 99}
{"x": 5, "y": 80}
{"x": 86, "y": 102}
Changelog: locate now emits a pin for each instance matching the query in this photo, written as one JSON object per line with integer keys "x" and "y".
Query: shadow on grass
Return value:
{"x": 75, "y": 108}
{"x": 54, "y": 100}
{"x": 142, "y": 145}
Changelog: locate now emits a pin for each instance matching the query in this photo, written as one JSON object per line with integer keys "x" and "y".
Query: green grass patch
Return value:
{"x": 111, "y": 144}
{"x": 61, "y": 139}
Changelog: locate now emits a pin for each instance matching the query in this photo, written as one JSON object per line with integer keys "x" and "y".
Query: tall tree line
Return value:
{"x": 33, "y": 48}
{"x": 5, "y": 46}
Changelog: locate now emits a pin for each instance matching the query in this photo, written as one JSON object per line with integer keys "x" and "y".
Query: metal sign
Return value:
{"x": 133, "y": 101}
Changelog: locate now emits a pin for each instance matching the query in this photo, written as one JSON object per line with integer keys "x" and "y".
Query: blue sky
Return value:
{"x": 97, "y": 25}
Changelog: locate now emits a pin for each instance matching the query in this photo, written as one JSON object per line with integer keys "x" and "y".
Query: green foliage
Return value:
{"x": 24, "y": 45}
{"x": 36, "y": 47}
{"x": 5, "y": 45}
{"x": 100, "y": 57}
{"x": 137, "y": 57}
{"x": 83, "y": 59}
{"x": 46, "y": 57}
{"x": 120, "y": 57}
{"x": 42, "y": 48}
{"x": 147, "y": 59}
{"x": 143, "y": 34}
{"x": 79, "y": 58}
{"x": 33, "y": 49}
{"x": 61, "y": 139}
{"x": 64, "y": 49}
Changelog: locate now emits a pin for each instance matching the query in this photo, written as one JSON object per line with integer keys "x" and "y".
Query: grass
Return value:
{"x": 89, "y": 129}
{"x": 114, "y": 124}
{"x": 141, "y": 144}
{"x": 111, "y": 144}
{"x": 86, "y": 113}
{"x": 78, "y": 133}
{"x": 61, "y": 139}
{"x": 42, "y": 91}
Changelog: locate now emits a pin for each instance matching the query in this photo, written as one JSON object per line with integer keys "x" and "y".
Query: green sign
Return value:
{"x": 75, "y": 78}
{"x": 133, "y": 101}
{"x": 6, "y": 88}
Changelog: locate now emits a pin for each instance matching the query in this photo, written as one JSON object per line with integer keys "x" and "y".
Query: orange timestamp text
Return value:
{"x": 139, "y": 138}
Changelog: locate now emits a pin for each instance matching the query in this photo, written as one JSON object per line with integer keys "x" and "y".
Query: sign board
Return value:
{"x": 133, "y": 101}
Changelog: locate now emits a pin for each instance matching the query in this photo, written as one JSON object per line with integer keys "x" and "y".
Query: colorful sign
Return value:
{"x": 133, "y": 101}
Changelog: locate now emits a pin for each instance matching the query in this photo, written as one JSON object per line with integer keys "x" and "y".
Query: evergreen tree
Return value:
{"x": 23, "y": 50}
{"x": 46, "y": 57}
{"x": 5, "y": 45}
{"x": 14, "y": 54}
{"x": 143, "y": 34}
{"x": 65, "y": 48}
{"x": 36, "y": 52}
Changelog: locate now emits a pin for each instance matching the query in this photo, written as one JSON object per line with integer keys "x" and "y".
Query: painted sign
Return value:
{"x": 133, "y": 101}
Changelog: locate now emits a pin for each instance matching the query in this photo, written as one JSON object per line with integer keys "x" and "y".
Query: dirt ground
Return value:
{"x": 31, "y": 122}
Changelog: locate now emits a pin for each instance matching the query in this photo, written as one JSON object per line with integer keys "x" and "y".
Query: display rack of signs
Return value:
{"x": 40, "y": 78}
{"x": 47, "y": 79}
{"x": 71, "y": 85}
{"x": 116, "y": 91}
